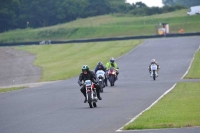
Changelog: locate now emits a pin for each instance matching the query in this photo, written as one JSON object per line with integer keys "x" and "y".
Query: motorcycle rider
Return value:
{"x": 153, "y": 61}
{"x": 112, "y": 63}
{"x": 100, "y": 66}
{"x": 88, "y": 75}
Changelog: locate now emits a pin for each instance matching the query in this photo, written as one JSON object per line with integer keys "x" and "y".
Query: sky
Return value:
{"x": 149, "y": 3}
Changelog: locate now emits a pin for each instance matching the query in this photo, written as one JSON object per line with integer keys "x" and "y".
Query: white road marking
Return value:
{"x": 190, "y": 63}
{"x": 120, "y": 130}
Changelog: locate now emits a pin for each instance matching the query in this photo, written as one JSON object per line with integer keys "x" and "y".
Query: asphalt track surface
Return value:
{"x": 58, "y": 107}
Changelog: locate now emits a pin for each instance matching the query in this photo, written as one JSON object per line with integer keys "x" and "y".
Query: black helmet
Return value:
{"x": 100, "y": 64}
{"x": 85, "y": 67}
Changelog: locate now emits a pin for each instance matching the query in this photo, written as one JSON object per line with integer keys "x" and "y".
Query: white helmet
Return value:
{"x": 153, "y": 61}
{"x": 112, "y": 60}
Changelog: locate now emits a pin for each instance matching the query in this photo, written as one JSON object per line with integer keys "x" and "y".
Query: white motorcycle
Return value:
{"x": 154, "y": 71}
{"x": 91, "y": 93}
{"x": 101, "y": 77}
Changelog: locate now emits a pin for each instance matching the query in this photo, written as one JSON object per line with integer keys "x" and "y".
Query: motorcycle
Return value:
{"x": 112, "y": 76}
{"x": 154, "y": 73}
{"x": 101, "y": 77}
{"x": 91, "y": 93}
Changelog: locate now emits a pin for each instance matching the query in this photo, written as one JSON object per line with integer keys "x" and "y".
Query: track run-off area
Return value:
{"x": 58, "y": 107}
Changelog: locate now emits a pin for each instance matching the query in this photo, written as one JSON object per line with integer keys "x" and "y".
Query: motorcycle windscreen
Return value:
{"x": 88, "y": 83}
{"x": 154, "y": 67}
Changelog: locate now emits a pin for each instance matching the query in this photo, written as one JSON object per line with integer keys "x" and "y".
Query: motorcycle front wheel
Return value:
{"x": 90, "y": 99}
{"x": 112, "y": 80}
{"x": 101, "y": 86}
{"x": 154, "y": 75}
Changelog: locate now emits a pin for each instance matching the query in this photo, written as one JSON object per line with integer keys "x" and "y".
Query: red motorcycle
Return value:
{"x": 112, "y": 76}
{"x": 91, "y": 93}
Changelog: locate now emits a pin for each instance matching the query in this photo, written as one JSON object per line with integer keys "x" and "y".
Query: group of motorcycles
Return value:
{"x": 91, "y": 93}
{"x": 111, "y": 75}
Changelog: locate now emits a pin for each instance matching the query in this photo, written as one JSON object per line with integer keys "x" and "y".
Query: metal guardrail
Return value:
{"x": 102, "y": 39}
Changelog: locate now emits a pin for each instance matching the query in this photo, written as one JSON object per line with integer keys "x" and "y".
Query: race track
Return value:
{"x": 58, "y": 107}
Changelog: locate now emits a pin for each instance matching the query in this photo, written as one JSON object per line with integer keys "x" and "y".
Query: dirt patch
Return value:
{"x": 16, "y": 67}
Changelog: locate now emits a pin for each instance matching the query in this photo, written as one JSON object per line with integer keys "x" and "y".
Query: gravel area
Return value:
{"x": 16, "y": 67}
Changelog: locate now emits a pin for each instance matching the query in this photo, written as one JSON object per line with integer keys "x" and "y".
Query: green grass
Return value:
{"x": 65, "y": 61}
{"x": 180, "y": 108}
{"x": 194, "y": 72}
{"x": 11, "y": 89}
{"x": 106, "y": 26}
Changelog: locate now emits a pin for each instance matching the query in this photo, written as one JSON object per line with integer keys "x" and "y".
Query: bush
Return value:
{"x": 147, "y": 11}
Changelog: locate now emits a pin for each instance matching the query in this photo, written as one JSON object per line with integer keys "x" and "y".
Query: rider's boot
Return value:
{"x": 84, "y": 96}
{"x": 150, "y": 73}
{"x": 106, "y": 82}
{"x": 98, "y": 95}
{"x": 85, "y": 100}
{"x": 117, "y": 75}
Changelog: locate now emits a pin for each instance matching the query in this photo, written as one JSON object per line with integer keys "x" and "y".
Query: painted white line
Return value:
{"x": 190, "y": 63}
{"x": 120, "y": 130}
{"x": 142, "y": 130}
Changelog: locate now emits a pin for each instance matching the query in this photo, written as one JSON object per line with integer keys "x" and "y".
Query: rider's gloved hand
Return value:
{"x": 96, "y": 83}
{"x": 80, "y": 84}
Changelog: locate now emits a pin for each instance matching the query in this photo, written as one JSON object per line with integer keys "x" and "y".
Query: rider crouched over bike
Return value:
{"x": 112, "y": 63}
{"x": 88, "y": 75}
{"x": 153, "y": 61}
{"x": 100, "y": 66}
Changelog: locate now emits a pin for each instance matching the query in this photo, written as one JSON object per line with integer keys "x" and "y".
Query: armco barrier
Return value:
{"x": 102, "y": 39}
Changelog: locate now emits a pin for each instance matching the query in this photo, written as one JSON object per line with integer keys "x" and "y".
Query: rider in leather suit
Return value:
{"x": 153, "y": 61}
{"x": 100, "y": 66}
{"x": 88, "y": 75}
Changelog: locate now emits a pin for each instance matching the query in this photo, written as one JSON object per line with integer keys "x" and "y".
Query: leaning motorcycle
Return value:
{"x": 101, "y": 77}
{"x": 91, "y": 93}
{"x": 154, "y": 69}
{"x": 112, "y": 76}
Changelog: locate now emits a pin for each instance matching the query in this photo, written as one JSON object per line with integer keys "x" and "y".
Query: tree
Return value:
{"x": 97, "y": 7}
{"x": 186, "y": 3}
{"x": 140, "y": 5}
{"x": 9, "y": 11}
{"x": 119, "y": 6}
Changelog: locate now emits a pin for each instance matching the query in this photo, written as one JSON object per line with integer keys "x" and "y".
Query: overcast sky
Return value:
{"x": 149, "y": 3}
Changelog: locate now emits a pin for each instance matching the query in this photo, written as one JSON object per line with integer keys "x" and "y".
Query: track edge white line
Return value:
{"x": 190, "y": 63}
{"x": 120, "y": 129}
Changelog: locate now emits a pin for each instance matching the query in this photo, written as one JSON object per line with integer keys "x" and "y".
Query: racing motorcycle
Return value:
{"x": 91, "y": 93}
{"x": 112, "y": 76}
{"x": 101, "y": 77}
{"x": 154, "y": 69}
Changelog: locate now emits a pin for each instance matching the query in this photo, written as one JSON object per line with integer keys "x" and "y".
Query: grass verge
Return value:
{"x": 60, "y": 62}
{"x": 106, "y": 26}
{"x": 194, "y": 72}
{"x": 11, "y": 89}
{"x": 180, "y": 108}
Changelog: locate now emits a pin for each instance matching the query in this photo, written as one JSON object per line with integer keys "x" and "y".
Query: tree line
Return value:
{"x": 186, "y": 3}
{"x": 41, "y": 13}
